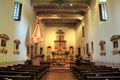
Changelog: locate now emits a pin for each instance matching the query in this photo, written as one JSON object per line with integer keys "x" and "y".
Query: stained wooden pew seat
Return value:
{"x": 14, "y": 77}
{"x": 102, "y": 74}
{"x": 103, "y": 78}
{"x": 35, "y": 71}
{"x": 16, "y": 73}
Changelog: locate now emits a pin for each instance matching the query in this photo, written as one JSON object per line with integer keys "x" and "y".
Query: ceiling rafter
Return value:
{"x": 60, "y": 20}
{"x": 37, "y": 3}
{"x": 61, "y": 12}
{"x": 57, "y": 9}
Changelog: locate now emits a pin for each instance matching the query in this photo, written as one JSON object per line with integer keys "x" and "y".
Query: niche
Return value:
{"x": 115, "y": 39}
{"x": 102, "y": 47}
{"x": 92, "y": 47}
{"x": 87, "y": 48}
{"x": 71, "y": 52}
{"x": 16, "y": 46}
{"x": 3, "y": 43}
{"x": 49, "y": 49}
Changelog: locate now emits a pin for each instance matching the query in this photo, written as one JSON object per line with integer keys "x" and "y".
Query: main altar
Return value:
{"x": 61, "y": 55}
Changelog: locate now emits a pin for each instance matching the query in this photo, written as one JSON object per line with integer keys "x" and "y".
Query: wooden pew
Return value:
{"x": 26, "y": 75}
{"x": 14, "y": 77}
{"x": 103, "y": 78}
{"x": 102, "y": 74}
{"x": 85, "y": 71}
{"x": 35, "y": 72}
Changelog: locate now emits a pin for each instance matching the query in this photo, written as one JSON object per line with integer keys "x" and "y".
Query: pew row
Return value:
{"x": 23, "y": 72}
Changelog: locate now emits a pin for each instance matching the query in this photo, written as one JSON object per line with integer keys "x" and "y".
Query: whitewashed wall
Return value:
{"x": 96, "y": 30}
{"x": 15, "y": 29}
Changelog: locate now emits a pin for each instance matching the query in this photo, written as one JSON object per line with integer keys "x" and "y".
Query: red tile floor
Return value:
{"x": 62, "y": 72}
{"x": 59, "y": 76}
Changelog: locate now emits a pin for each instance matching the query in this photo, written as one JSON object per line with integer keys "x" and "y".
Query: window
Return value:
{"x": 103, "y": 11}
{"x": 17, "y": 11}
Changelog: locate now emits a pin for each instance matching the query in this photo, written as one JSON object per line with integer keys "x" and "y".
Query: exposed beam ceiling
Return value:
{"x": 60, "y": 12}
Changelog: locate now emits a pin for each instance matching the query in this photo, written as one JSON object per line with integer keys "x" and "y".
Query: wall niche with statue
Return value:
{"x": 102, "y": 44}
{"x": 115, "y": 39}
{"x": 3, "y": 43}
{"x": 16, "y": 46}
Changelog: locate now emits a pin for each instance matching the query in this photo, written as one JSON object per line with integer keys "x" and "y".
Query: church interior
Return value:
{"x": 59, "y": 40}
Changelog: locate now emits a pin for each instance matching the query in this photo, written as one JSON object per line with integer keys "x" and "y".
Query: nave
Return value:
{"x": 80, "y": 71}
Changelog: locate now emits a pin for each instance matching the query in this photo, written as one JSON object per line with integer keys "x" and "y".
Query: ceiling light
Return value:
{"x": 71, "y": 4}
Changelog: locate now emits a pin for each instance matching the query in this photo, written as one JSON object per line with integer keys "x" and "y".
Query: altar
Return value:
{"x": 60, "y": 54}
{"x": 60, "y": 58}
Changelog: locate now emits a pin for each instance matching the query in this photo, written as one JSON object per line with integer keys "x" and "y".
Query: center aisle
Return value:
{"x": 59, "y": 76}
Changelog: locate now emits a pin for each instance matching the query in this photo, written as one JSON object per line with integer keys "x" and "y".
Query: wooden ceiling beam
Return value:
{"x": 60, "y": 9}
{"x": 60, "y": 21}
{"x": 61, "y": 13}
{"x": 36, "y": 3}
{"x": 73, "y": 25}
{"x": 66, "y": 17}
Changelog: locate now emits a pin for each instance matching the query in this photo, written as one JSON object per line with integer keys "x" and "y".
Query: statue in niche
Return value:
{"x": 49, "y": 52}
{"x": 71, "y": 52}
{"x": 102, "y": 44}
{"x": 3, "y": 40}
{"x": 16, "y": 46}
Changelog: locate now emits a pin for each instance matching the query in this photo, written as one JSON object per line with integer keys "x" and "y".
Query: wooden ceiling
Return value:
{"x": 60, "y": 12}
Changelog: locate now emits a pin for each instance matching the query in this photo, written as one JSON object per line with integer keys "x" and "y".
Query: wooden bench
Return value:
{"x": 14, "y": 77}
{"x": 35, "y": 72}
{"x": 103, "y": 78}
{"x": 93, "y": 71}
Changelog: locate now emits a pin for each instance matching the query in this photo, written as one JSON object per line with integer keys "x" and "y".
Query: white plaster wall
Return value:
{"x": 96, "y": 30}
{"x": 15, "y": 29}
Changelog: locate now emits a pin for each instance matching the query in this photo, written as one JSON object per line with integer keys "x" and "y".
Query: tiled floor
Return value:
{"x": 59, "y": 76}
